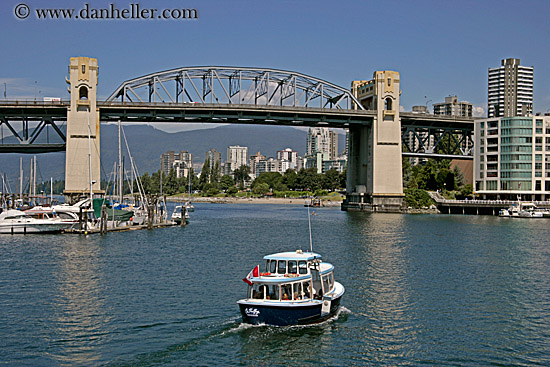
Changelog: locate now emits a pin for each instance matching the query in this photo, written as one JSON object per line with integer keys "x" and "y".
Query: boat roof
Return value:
{"x": 13, "y": 213}
{"x": 296, "y": 255}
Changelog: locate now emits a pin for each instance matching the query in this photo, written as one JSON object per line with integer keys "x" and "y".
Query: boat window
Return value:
{"x": 317, "y": 288}
{"x": 331, "y": 280}
{"x": 286, "y": 291}
{"x": 306, "y": 286}
{"x": 258, "y": 291}
{"x": 302, "y": 265}
{"x": 292, "y": 267}
{"x": 297, "y": 291}
{"x": 273, "y": 266}
{"x": 326, "y": 285}
{"x": 273, "y": 292}
{"x": 282, "y": 267}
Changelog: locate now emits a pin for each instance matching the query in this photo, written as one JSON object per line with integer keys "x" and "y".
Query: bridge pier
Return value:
{"x": 374, "y": 181}
{"x": 82, "y": 160}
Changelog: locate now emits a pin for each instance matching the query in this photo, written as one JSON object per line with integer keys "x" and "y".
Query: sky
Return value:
{"x": 439, "y": 47}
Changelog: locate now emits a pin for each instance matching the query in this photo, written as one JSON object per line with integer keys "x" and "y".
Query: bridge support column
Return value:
{"x": 374, "y": 181}
{"x": 82, "y": 160}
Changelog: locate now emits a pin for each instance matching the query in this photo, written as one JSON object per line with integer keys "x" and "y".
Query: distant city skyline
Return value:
{"x": 440, "y": 48}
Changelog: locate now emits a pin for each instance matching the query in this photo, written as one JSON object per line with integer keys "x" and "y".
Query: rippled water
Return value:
{"x": 420, "y": 290}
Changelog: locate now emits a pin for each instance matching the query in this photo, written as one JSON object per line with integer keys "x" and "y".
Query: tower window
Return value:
{"x": 83, "y": 93}
{"x": 389, "y": 82}
{"x": 388, "y": 104}
{"x": 83, "y": 69}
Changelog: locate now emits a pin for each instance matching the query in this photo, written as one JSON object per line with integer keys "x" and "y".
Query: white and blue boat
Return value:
{"x": 294, "y": 288}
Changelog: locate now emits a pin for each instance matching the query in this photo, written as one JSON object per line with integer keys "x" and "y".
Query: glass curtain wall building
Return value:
{"x": 512, "y": 159}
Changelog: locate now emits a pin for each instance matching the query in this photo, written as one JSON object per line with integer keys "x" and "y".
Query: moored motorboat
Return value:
{"x": 177, "y": 214}
{"x": 15, "y": 221}
{"x": 295, "y": 288}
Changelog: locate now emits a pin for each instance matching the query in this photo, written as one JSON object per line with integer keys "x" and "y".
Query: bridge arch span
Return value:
{"x": 235, "y": 85}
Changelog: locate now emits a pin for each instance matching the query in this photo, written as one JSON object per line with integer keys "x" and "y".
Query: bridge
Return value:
{"x": 379, "y": 133}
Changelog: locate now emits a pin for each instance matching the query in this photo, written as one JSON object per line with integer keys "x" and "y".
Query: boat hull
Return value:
{"x": 284, "y": 314}
{"x": 32, "y": 228}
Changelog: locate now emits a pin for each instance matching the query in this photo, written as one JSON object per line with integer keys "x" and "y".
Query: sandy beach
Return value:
{"x": 233, "y": 200}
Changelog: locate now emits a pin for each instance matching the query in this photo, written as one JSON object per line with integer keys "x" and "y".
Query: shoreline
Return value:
{"x": 234, "y": 200}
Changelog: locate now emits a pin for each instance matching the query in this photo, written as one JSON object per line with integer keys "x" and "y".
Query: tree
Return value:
{"x": 273, "y": 179}
{"x": 226, "y": 182}
{"x": 261, "y": 189}
{"x": 241, "y": 175}
{"x": 170, "y": 183}
{"x": 216, "y": 173}
{"x": 289, "y": 179}
{"x": 459, "y": 177}
{"x": 205, "y": 174}
{"x": 232, "y": 191}
{"x": 308, "y": 179}
{"x": 331, "y": 180}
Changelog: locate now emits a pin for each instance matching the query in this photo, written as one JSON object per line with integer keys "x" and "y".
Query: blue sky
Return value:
{"x": 440, "y": 48}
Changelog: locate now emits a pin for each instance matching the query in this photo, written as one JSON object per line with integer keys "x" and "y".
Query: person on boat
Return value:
{"x": 285, "y": 297}
{"x": 296, "y": 296}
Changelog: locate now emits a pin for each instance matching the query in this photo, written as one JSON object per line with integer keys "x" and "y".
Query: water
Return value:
{"x": 432, "y": 290}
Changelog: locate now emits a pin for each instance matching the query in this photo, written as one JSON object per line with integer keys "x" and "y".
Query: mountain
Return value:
{"x": 147, "y": 144}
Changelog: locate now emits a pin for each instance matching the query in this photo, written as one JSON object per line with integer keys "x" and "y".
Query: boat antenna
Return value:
{"x": 309, "y": 222}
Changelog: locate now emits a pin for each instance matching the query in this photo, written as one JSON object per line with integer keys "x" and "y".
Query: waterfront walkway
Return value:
{"x": 478, "y": 207}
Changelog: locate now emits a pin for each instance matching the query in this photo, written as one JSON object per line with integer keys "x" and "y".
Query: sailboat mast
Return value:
{"x": 34, "y": 177}
{"x": 120, "y": 178}
{"x": 309, "y": 222}
{"x": 20, "y": 177}
{"x": 90, "y": 160}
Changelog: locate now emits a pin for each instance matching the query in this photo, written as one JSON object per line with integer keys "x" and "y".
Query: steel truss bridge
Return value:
{"x": 229, "y": 95}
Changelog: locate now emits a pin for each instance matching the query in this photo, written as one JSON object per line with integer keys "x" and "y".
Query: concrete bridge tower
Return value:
{"x": 374, "y": 181}
{"x": 83, "y": 148}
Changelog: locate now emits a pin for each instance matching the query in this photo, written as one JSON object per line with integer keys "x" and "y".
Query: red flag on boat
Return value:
{"x": 254, "y": 273}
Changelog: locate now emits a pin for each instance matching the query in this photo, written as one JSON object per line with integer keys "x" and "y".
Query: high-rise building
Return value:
{"x": 237, "y": 156}
{"x": 322, "y": 140}
{"x": 180, "y": 161}
{"x": 510, "y": 91}
{"x": 213, "y": 156}
{"x": 512, "y": 158}
{"x": 254, "y": 160}
{"x": 453, "y": 107}
{"x": 166, "y": 161}
{"x": 288, "y": 156}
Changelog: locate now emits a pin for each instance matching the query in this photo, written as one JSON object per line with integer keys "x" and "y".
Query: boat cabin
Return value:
{"x": 292, "y": 276}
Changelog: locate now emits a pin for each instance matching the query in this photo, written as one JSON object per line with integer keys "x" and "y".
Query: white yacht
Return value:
{"x": 15, "y": 221}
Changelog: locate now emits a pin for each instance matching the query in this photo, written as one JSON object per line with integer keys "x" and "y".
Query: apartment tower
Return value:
{"x": 510, "y": 91}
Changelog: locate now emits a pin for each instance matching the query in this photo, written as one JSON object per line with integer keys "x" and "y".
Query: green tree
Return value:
{"x": 205, "y": 174}
{"x": 331, "y": 180}
{"x": 459, "y": 177}
{"x": 289, "y": 179}
{"x": 216, "y": 173}
{"x": 308, "y": 179}
{"x": 273, "y": 179}
{"x": 170, "y": 183}
{"x": 226, "y": 182}
{"x": 261, "y": 189}
{"x": 241, "y": 175}
{"x": 231, "y": 191}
